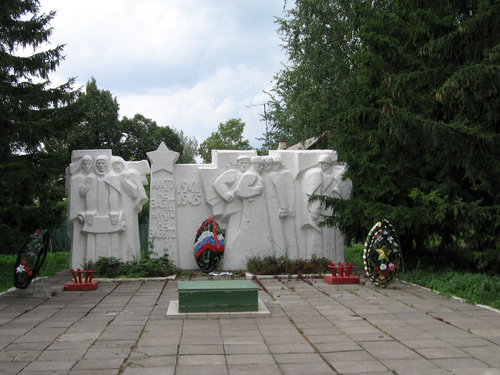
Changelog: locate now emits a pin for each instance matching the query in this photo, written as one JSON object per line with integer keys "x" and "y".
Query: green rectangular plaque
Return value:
{"x": 218, "y": 296}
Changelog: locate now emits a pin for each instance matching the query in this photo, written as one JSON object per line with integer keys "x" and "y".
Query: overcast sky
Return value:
{"x": 188, "y": 64}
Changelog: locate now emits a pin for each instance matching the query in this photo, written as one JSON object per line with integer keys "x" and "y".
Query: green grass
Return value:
{"x": 55, "y": 262}
{"x": 474, "y": 287}
{"x": 354, "y": 254}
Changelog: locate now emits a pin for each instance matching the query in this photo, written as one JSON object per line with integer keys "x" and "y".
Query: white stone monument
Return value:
{"x": 262, "y": 203}
{"x": 105, "y": 194}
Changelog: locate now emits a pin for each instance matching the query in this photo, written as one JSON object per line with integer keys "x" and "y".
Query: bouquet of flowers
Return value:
{"x": 30, "y": 258}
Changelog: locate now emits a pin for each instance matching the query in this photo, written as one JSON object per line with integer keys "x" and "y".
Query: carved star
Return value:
{"x": 383, "y": 253}
{"x": 162, "y": 158}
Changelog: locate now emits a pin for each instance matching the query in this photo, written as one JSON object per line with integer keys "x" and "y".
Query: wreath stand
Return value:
{"x": 81, "y": 283}
{"x": 36, "y": 288}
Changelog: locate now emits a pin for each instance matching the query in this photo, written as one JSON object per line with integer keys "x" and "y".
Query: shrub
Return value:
{"x": 281, "y": 265}
{"x": 146, "y": 267}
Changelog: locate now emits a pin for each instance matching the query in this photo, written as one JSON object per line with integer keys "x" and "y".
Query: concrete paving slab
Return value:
{"x": 254, "y": 369}
{"x": 212, "y": 370}
{"x": 200, "y": 349}
{"x": 98, "y": 364}
{"x": 61, "y": 365}
{"x": 301, "y": 347}
{"x": 245, "y": 359}
{"x": 153, "y": 362}
{"x": 165, "y": 370}
{"x": 319, "y": 368}
{"x": 201, "y": 360}
{"x": 354, "y": 329}
{"x": 9, "y": 368}
{"x": 246, "y": 349}
{"x": 297, "y": 358}
{"x": 358, "y": 367}
{"x": 460, "y": 363}
{"x": 92, "y": 372}
{"x": 434, "y": 353}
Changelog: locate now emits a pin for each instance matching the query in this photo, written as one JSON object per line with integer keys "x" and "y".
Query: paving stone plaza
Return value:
{"x": 313, "y": 328}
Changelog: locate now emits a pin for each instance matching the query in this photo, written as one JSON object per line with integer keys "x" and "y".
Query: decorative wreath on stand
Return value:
{"x": 30, "y": 258}
{"x": 209, "y": 245}
{"x": 382, "y": 254}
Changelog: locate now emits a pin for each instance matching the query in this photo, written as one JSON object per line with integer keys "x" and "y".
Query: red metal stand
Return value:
{"x": 80, "y": 283}
{"x": 341, "y": 274}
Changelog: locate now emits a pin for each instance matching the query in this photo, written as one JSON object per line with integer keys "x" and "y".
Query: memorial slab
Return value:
{"x": 261, "y": 203}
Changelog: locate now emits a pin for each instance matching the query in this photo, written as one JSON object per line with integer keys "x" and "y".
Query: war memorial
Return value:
{"x": 261, "y": 204}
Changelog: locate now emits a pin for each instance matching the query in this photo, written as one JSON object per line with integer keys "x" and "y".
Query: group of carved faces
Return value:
{"x": 259, "y": 163}
{"x": 101, "y": 165}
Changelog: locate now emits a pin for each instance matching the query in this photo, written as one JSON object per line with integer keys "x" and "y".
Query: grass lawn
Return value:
{"x": 55, "y": 262}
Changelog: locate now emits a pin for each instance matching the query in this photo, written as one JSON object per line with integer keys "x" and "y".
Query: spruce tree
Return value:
{"x": 418, "y": 121}
{"x": 33, "y": 123}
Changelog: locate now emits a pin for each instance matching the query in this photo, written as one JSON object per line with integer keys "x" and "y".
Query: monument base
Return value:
{"x": 173, "y": 313}
{"x": 340, "y": 279}
{"x": 218, "y": 296}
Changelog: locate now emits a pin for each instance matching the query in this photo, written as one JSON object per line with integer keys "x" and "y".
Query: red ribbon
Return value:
{"x": 210, "y": 220}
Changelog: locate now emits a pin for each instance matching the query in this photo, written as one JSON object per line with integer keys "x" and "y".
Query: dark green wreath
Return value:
{"x": 382, "y": 254}
{"x": 30, "y": 258}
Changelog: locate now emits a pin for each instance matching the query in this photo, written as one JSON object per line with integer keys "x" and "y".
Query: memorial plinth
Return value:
{"x": 218, "y": 296}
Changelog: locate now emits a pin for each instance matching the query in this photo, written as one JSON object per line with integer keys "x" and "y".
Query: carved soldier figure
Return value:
{"x": 225, "y": 185}
{"x": 284, "y": 192}
{"x": 322, "y": 180}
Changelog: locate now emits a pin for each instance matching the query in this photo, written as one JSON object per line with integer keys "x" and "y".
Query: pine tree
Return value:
{"x": 33, "y": 123}
{"x": 420, "y": 124}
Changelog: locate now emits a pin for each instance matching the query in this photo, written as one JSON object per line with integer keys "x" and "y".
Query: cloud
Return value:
{"x": 200, "y": 108}
{"x": 189, "y": 64}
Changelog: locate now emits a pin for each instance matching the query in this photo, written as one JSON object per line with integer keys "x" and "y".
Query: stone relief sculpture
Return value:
{"x": 225, "y": 185}
{"x": 326, "y": 179}
{"x": 105, "y": 196}
{"x": 284, "y": 189}
{"x": 261, "y": 204}
{"x": 267, "y": 209}
{"x": 254, "y": 223}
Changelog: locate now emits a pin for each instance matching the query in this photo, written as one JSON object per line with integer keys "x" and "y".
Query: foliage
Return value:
{"x": 409, "y": 91}
{"x": 354, "y": 254}
{"x": 146, "y": 267}
{"x": 141, "y": 135}
{"x": 99, "y": 127}
{"x": 34, "y": 120}
{"x": 229, "y": 136}
{"x": 189, "y": 148}
{"x": 282, "y": 265}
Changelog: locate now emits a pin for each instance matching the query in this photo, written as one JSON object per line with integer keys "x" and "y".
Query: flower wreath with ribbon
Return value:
{"x": 209, "y": 245}
{"x": 382, "y": 254}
